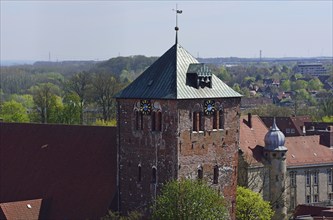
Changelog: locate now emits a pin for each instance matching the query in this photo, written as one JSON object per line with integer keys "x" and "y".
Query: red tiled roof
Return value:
{"x": 302, "y": 150}
{"x": 29, "y": 209}
{"x": 251, "y": 139}
{"x": 72, "y": 168}
{"x": 305, "y": 150}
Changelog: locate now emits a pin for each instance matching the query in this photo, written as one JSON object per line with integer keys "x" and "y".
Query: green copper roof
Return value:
{"x": 167, "y": 79}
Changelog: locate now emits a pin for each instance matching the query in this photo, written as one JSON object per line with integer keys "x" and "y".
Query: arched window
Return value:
{"x": 137, "y": 120}
{"x": 216, "y": 175}
{"x": 215, "y": 118}
{"x": 159, "y": 121}
{"x": 153, "y": 121}
{"x": 154, "y": 179}
{"x": 198, "y": 121}
{"x": 221, "y": 119}
{"x": 140, "y": 172}
{"x": 200, "y": 172}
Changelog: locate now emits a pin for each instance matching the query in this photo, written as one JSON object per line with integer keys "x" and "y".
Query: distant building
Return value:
{"x": 311, "y": 68}
{"x": 290, "y": 126}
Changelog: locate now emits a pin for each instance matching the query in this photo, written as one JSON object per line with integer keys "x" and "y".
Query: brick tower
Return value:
{"x": 176, "y": 120}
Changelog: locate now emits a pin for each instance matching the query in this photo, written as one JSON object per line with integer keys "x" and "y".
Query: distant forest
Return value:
{"x": 82, "y": 92}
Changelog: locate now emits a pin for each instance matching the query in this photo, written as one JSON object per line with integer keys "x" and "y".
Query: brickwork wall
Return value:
{"x": 176, "y": 151}
{"x": 210, "y": 147}
{"x": 147, "y": 148}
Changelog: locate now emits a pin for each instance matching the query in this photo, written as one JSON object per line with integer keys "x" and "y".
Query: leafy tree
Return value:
{"x": 315, "y": 84}
{"x": 72, "y": 110}
{"x": 100, "y": 122}
{"x": 286, "y": 85}
{"x": 134, "y": 215}
{"x": 44, "y": 96}
{"x": 188, "y": 199}
{"x": 105, "y": 87}
{"x": 237, "y": 88}
{"x": 13, "y": 111}
{"x": 299, "y": 84}
{"x": 251, "y": 206}
{"x": 26, "y": 100}
{"x": 224, "y": 75}
{"x": 80, "y": 84}
{"x": 272, "y": 110}
{"x": 327, "y": 119}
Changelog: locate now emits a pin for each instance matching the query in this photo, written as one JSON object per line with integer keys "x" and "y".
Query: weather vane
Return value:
{"x": 177, "y": 28}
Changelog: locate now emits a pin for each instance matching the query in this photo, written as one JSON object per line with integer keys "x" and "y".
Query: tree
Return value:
{"x": 45, "y": 98}
{"x": 72, "y": 110}
{"x": 105, "y": 87}
{"x": 80, "y": 84}
{"x": 13, "y": 111}
{"x": 251, "y": 206}
{"x": 189, "y": 199}
{"x": 315, "y": 84}
{"x": 286, "y": 85}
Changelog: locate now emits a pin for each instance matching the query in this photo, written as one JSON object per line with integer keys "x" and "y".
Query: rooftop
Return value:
{"x": 168, "y": 78}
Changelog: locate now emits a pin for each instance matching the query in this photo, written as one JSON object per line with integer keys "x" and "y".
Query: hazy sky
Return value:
{"x": 99, "y": 30}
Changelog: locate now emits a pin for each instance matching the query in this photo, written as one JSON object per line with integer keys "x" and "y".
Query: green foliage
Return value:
{"x": 286, "y": 85}
{"x": 224, "y": 75}
{"x": 251, "y": 206}
{"x": 299, "y": 84}
{"x": 101, "y": 122}
{"x": 47, "y": 104}
{"x": 72, "y": 109}
{"x": 315, "y": 84}
{"x": 188, "y": 199}
{"x": 26, "y": 100}
{"x": 272, "y": 111}
{"x": 327, "y": 119}
{"x": 13, "y": 111}
{"x": 134, "y": 215}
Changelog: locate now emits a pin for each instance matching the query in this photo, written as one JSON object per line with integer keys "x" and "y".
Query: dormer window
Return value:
{"x": 199, "y": 76}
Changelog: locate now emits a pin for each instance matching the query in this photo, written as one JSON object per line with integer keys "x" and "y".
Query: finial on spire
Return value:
{"x": 177, "y": 28}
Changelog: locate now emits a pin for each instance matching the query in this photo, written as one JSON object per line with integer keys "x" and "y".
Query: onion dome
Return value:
{"x": 275, "y": 139}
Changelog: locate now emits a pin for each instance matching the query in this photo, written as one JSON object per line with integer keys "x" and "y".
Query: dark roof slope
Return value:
{"x": 166, "y": 79}
{"x": 72, "y": 168}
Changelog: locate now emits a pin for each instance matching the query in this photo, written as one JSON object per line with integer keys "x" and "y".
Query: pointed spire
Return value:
{"x": 274, "y": 126}
{"x": 177, "y": 28}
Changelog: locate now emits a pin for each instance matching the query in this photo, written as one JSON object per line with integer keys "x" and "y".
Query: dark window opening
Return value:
{"x": 159, "y": 121}
{"x": 153, "y": 121}
{"x": 221, "y": 119}
{"x": 139, "y": 177}
{"x": 201, "y": 122}
{"x": 137, "y": 122}
{"x": 200, "y": 173}
{"x": 216, "y": 175}
{"x": 154, "y": 175}
{"x": 195, "y": 121}
{"x": 215, "y": 116}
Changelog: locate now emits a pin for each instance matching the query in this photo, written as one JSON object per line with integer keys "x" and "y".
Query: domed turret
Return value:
{"x": 274, "y": 139}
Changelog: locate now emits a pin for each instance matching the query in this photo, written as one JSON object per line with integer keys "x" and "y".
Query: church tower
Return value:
{"x": 275, "y": 154}
{"x": 176, "y": 120}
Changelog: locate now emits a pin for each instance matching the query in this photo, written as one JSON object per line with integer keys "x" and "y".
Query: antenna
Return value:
{"x": 177, "y": 28}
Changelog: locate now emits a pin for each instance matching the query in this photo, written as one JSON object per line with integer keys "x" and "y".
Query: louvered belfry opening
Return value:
{"x": 199, "y": 76}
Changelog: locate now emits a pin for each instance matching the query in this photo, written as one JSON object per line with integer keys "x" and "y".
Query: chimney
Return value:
{"x": 249, "y": 119}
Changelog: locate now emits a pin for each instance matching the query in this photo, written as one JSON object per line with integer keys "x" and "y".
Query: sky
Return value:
{"x": 100, "y": 30}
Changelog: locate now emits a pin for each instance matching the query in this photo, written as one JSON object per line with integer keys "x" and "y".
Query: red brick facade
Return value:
{"x": 161, "y": 146}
